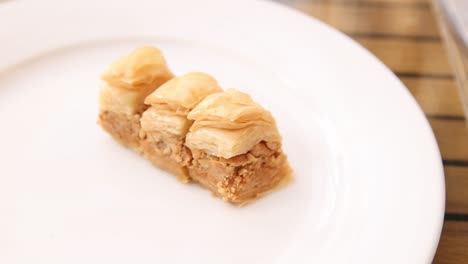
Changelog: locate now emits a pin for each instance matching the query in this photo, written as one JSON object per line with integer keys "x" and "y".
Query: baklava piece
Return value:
{"x": 236, "y": 147}
{"x": 165, "y": 124}
{"x": 128, "y": 81}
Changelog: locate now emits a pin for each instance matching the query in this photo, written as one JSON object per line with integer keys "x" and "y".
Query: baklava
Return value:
{"x": 236, "y": 148}
{"x": 165, "y": 124}
{"x": 127, "y": 83}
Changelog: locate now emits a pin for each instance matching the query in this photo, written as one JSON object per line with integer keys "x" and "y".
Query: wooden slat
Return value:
{"x": 410, "y": 56}
{"x": 425, "y": 2}
{"x": 362, "y": 2}
{"x": 456, "y": 182}
{"x": 435, "y": 96}
{"x": 453, "y": 246}
{"x": 379, "y": 19}
{"x": 452, "y": 136}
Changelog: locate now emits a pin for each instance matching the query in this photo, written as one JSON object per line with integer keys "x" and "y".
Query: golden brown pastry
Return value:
{"x": 128, "y": 81}
{"x": 236, "y": 147}
{"x": 165, "y": 124}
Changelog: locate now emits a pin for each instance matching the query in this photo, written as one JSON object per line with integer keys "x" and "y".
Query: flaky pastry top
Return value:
{"x": 183, "y": 93}
{"x": 231, "y": 109}
{"x": 230, "y": 123}
{"x": 144, "y": 68}
{"x": 171, "y": 103}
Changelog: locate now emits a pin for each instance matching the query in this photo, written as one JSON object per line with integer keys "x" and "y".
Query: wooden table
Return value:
{"x": 405, "y": 36}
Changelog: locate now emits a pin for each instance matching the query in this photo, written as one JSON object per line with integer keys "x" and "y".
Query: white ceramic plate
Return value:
{"x": 369, "y": 185}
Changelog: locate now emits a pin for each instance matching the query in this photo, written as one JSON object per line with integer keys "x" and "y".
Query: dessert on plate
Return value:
{"x": 165, "y": 124}
{"x": 127, "y": 82}
{"x": 188, "y": 126}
